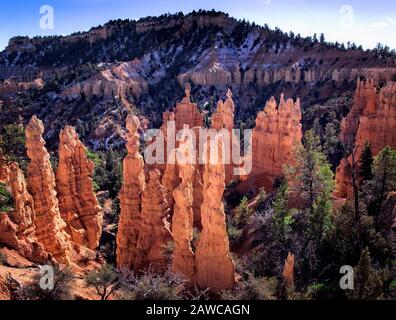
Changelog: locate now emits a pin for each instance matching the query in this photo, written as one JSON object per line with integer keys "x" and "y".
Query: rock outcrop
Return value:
{"x": 154, "y": 230}
{"x": 187, "y": 113}
{"x": 223, "y": 119}
{"x": 133, "y": 184}
{"x": 117, "y": 81}
{"x": 183, "y": 261}
{"x": 374, "y": 114}
{"x": 78, "y": 204}
{"x": 364, "y": 103}
{"x": 288, "y": 271}
{"x": 214, "y": 266}
{"x": 11, "y": 86}
{"x": 277, "y": 133}
{"x": 41, "y": 185}
{"x": 18, "y": 230}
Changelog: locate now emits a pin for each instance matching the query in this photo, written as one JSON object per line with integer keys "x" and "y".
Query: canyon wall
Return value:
{"x": 78, "y": 204}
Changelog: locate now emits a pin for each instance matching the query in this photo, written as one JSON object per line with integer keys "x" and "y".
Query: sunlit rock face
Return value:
{"x": 78, "y": 204}
{"x": 214, "y": 266}
{"x": 18, "y": 230}
{"x": 133, "y": 184}
{"x": 50, "y": 228}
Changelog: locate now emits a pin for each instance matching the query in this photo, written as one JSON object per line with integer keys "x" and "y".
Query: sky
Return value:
{"x": 365, "y": 22}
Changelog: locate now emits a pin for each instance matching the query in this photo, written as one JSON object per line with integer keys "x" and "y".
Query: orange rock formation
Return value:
{"x": 187, "y": 113}
{"x": 214, "y": 266}
{"x": 154, "y": 231}
{"x": 288, "y": 271}
{"x": 277, "y": 133}
{"x": 17, "y": 227}
{"x": 78, "y": 204}
{"x": 182, "y": 223}
{"x": 41, "y": 185}
{"x": 223, "y": 118}
{"x": 130, "y": 198}
{"x": 375, "y": 116}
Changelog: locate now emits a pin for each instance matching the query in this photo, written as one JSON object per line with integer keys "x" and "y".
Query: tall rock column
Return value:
{"x": 277, "y": 133}
{"x": 214, "y": 266}
{"x": 182, "y": 223}
{"x": 133, "y": 185}
{"x": 223, "y": 118}
{"x": 154, "y": 231}
{"x": 41, "y": 185}
{"x": 78, "y": 204}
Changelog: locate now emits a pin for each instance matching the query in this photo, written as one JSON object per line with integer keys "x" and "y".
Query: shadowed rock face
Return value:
{"x": 214, "y": 266}
{"x": 277, "y": 133}
{"x": 41, "y": 185}
{"x": 375, "y": 115}
{"x": 78, "y": 204}
{"x": 130, "y": 198}
{"x": 17, "y": 227}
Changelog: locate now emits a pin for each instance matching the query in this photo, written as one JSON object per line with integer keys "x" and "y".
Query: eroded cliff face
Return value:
{"x": 133, "y": 184}
{"x": 78, "y": 204}
{"x": 119, "y": 80}
{"x": 154, "y": 230}
{"x": 18, "y": 230}
{"x": 374, "y": 114}
{"x": 214, "y": 266}
{"x": 277, "y": 133}
{"x": 11, "y": 86}
{"x": 41, "y": 185}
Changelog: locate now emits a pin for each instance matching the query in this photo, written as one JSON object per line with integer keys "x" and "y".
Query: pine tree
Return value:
{"x": 368, "y": 282}
{"x": 366, "y": 163}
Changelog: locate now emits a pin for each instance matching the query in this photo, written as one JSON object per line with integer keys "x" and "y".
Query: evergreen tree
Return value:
{"x": 368, "y": 282}
{"x": 366, "y": 163}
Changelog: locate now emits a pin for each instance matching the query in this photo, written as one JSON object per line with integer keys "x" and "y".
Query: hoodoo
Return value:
{"x": 154, "y": 231}
{"x": 41, "y": 185}
{"x": 78, "y": 204}
{"x": 215, "y": 268}
{"x": 130, "y": 198}
{"x": 277, "y": 133}
{"x": 182, "y": 223}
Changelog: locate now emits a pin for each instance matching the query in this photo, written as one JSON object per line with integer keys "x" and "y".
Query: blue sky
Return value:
{"x": 365, "y": 22}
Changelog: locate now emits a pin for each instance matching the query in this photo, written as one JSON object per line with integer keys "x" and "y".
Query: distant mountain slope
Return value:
{"x": 92, "y": 79}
